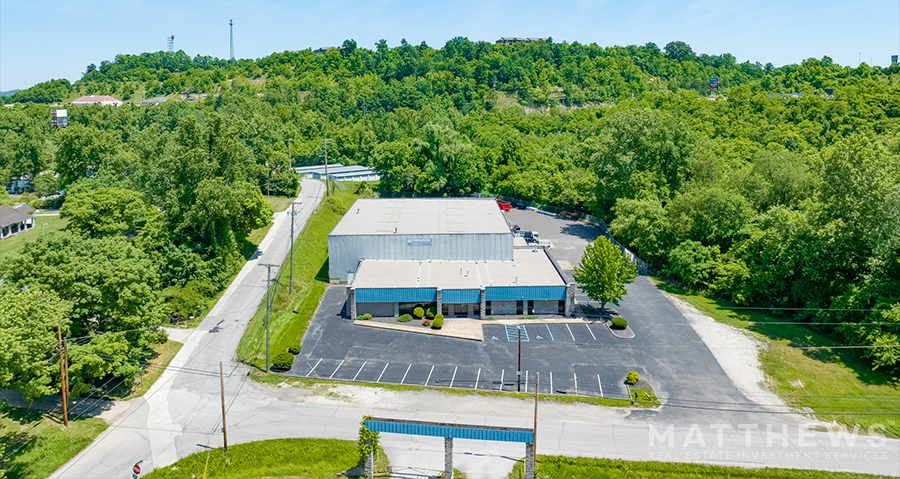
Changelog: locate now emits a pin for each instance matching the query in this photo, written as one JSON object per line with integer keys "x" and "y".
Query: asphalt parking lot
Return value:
{"x": 581, "y": 358}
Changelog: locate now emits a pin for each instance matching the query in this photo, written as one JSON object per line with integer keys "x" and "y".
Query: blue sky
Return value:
{"x": 42, "y": 39}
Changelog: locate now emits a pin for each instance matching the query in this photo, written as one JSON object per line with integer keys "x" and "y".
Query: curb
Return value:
{"x": 626, "y": 333}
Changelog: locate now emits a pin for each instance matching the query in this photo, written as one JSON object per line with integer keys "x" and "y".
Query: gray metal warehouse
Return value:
{"x": 456, "y": 255}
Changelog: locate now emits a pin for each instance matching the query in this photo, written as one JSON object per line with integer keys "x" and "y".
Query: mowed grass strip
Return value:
{"x": 310, "y": 283}
{"x": 36, "y": 443}
{"x": 296, "y": 458}
{"x": 559, "y": 467}
{"x": 14, "y": 244}
{"x": 827, "y": 381}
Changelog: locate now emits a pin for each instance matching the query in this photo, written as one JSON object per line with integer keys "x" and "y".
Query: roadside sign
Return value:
{"x": 136, "y": 469}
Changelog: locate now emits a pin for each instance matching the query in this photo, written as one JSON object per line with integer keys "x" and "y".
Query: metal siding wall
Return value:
{"x": 395, "y": 295}
{"x": 460, "y": 296}
{"x": 520, "y": 293}
{"x": 454, "y": 432}
{"x": 345, "y": 251}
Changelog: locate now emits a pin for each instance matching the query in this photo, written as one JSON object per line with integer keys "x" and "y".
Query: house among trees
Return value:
{"x": 14, "y": 220}
{"x": 104, "y": 100}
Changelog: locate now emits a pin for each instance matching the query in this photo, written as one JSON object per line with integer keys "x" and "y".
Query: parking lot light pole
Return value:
{"x": 293, "y": 213}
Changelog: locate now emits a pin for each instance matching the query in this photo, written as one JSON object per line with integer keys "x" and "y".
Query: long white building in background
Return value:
{"x": 339, "y": 172}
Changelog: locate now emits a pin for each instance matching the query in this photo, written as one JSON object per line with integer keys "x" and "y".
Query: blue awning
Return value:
{"x": 458, "y": 431}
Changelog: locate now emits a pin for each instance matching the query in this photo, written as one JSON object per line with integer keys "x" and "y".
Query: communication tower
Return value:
{"x": 170, "y": 44}
{"x": 231, "y": 37}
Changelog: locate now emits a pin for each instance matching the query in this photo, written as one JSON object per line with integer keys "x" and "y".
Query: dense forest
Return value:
{"x": 782, "y": 191}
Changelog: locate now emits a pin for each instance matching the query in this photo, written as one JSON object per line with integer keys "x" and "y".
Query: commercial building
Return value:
{"x": 104, "y": 100}
{"x": 511, "y": 40}
{"x": 339, "y": 172}
{"x": 456, "y": 255}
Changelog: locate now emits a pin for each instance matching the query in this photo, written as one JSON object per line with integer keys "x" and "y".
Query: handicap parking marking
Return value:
{"x": 516, "y": 332}
{"x": 551, "y": 332}
{"x": 312, "y": 369}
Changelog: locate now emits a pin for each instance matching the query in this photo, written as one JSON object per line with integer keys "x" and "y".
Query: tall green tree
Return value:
{"x": 28, "y": 339}
{"x": 604, "y": 272}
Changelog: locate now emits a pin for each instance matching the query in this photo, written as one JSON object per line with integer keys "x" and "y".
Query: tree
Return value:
{"x": 82, "y": 151}
{"x": 28, "y": 339}
{"x": 604, "y": 271}
{"x": 105, "y": 212}
{"x": 679, "y": 51}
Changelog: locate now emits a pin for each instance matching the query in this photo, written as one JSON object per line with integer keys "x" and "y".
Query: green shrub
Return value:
{"x": 418, "y": 312}
{"x": 367, "y": 316}
{"x": 405, "y": 318}
{"x": 359, "y": 317}
{"x": 619, "y": 323}
{"x": 438, "y": 322}
{"x": 632, "y": 377}
{"x": 430, "y": 312}
{"x": 283, "y": 360}
{"x": 294, "y": 349}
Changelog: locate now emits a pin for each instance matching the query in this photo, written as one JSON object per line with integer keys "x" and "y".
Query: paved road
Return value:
{"x": 180, "y": 414}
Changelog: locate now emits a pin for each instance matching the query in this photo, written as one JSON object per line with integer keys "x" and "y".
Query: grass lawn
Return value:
{"x": 827, "y": 381}
{"x": 36, "y": 443}
{"x": 274, "y": 379}
{"x": 559, "y": 467}
{"x": 14, "y": 244}
{"x": 310, "y": 283}
{"x": 154, "y": 366}
{"x": 275, "y": 458}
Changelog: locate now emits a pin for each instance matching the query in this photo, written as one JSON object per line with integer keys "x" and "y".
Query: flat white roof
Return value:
{"x": 530, "y": 268}
{"x": 422, "y": 216}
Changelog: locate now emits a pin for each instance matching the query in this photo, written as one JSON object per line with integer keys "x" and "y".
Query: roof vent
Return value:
{"x": 395, "y": 229}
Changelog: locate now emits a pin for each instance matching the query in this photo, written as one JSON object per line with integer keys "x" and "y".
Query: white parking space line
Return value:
{"x": 575, "y": 376}
{"x": 404, "y": 374}
{"x": 454, "y": 376}
{"x": 600, "y": 384}
{"x": 502, "y": 371}
{"x": 570, "y": 332}
{"x": 429, "y": 375}
{"x": 336, "y": 369}
{"x": 477, "y": 378}
{"x": 526, "y": 380}
{"x": 592, "y": 332}
{"x": 313, "y": 369}
{"x": 551, "y": 332}
{"x": 551, "y": 382}
{"x": 360, "y": 370}
{"x": 382, "y": 373}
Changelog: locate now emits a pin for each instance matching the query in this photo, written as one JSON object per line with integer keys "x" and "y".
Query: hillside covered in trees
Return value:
{"x": 764, "y": 199}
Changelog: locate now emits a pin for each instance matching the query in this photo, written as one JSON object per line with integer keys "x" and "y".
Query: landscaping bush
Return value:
{"x": 367, "y": 316}
{"x": 359, "y": 317}
{"x": 438, "y": 322}
{"x": 619, "y": 323}
{"x": 632, "y": 377}
{"x": 283, "y": 361}
{"x": 426, "y": 323}
{"x": 405, "y": 318}
{"x": 418, "y": 312}
{"x": 294, "y": 349}
{"x": 430, "y": 312}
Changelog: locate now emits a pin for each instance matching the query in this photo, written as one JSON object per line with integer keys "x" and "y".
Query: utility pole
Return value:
{"x": 268, "y": 307}
{"x": 225, "y": 429}
{"x": 63, "y": 374}
{"x": 325, "y": 141}
{"x": 290, "y": 160}
{"x": 519, "y": 369}
{"x": 537, "y": 384}
{"x": 293, "y": 213}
